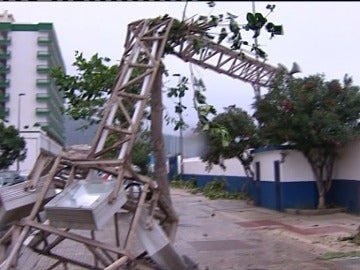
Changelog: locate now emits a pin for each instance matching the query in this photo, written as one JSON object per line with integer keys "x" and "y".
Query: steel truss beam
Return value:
{"x": 220, "y": 59}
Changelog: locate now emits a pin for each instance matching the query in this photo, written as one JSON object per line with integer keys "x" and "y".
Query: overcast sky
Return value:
{"x": 322, "y": 37}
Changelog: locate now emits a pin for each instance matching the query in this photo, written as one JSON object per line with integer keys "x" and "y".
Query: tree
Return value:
{"x": 86, "y": 94}
{"x": 242, "y": 136}
{"x": 12, "y": 146}
{"x": 317, "y": 117}
{"x": 87, "y": 91}
{"x": 141, "y": 150}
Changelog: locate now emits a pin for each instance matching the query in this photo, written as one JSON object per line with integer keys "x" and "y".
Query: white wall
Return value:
{"x": 348, "y": 162}
{"x": 35, "y": 142}
{"x": 196, "y": 166}
{"x": 295, "y": 167}
{"x": 266, "y": 160}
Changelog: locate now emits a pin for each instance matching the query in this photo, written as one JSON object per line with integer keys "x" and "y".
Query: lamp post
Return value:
{"x": 181, "y": 139}
{"x": 18, "y": 124}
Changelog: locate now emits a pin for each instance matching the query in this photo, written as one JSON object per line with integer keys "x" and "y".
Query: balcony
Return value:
{"x": 43, "y": 83}
{"x": 42, "y": 96}
{"x": 4, "y": 97}
{"x": 43, "y": 40}
{"x": 5, "y": 41}
{"x": 4, "y": 69}
{"x": 4, "y": 113}
{"x": 42, "y": 68}
{"x": 4, "y": 83}
{"x": 42, "y": 111}
{"x": 41, "y": 124}
{"x": 43, "y": 54}
{"x": 5, "y": 55}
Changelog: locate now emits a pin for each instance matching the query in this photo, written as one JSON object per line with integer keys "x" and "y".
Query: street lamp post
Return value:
{"x": 19, "y": 124}
{"x": 181, "y": 139}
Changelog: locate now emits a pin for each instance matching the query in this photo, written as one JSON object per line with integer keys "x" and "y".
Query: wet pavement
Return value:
{"x": 233, "y": 234}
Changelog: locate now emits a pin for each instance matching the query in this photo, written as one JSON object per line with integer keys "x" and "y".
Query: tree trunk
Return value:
{"x": 322, "y": 164}
{"x": 321, "y": 192}
{"x": 157, "y": 136}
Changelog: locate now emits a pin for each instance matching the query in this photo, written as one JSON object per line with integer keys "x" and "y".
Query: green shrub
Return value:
{"x": 189, "y": 185}
{"x": 215, "y": 189}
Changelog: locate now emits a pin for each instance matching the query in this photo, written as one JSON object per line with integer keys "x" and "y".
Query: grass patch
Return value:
{"x": 338, "y": 255}
{"x": 188, "y": 185}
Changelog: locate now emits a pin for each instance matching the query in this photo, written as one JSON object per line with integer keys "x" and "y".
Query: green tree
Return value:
{"x": 242, "y": 136}
{"x": 86, "y": 93}
{"x": 141, "y": 151}
{"x": 12, "y": 146}
{"x": 317, "y": 117}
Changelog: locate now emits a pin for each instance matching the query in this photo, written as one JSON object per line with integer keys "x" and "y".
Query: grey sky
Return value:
{"x": 322, "y": 37}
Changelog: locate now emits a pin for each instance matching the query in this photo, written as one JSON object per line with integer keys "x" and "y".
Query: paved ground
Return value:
{"x": 224, "y": 234}
{"x": 230, "y": 234}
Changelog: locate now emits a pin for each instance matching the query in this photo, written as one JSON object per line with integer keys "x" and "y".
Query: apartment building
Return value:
{"x": 29, "y": 99}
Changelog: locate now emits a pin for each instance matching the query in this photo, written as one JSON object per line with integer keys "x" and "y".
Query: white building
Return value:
{"x": 29, "y": 99}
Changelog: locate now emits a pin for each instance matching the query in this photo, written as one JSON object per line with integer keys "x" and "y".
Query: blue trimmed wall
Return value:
{"x": 233, "y": 183}
{"x": 345, "y": 193}
{"x": 300, "y": 195}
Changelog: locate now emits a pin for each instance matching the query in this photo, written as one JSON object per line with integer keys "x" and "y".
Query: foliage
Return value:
{"x": 205, "y": 27}
{"x": 86, "y": 94}
{"x": 225, "y": 27}
{"x": 178, "y": 92}
{"x": 242, "y": 133}
{"x": 204, "y": 111}
{"x": 141, "y": 150}
{"x": 189, "y": 185}
{"x": 12, "y": 146}
{"x": 215, "y": 189}
{"x": 339, "y": 254}
{"x": 315, "y": 116}
{"x": 87, "y": 91}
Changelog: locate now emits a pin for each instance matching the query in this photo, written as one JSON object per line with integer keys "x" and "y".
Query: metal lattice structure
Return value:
{"x": 152, "y": 217}
{"x": 222, "y": 60}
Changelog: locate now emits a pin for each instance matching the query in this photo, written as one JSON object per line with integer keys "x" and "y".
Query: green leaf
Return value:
{"x": 222, "y": 35}
{"x": 250, "y": 17}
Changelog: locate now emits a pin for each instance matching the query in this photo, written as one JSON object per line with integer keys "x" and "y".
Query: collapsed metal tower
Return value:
{"x": 87, "y": 203}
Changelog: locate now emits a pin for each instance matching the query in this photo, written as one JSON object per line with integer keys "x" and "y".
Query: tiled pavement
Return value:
{"x": 230, "y": 234}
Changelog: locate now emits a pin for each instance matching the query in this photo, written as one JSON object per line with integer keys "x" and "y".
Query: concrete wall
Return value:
{"x": 345, "y": 189}
{"x": 35, "y": 142}
{"x": 283, "y": 178}
{"x": 234, "y": 173}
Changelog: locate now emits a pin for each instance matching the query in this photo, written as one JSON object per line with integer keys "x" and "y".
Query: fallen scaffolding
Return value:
{"x": 47, "y": 219}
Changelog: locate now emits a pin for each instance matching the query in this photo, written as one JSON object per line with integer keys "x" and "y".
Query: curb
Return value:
{"x": 314, "y": 212}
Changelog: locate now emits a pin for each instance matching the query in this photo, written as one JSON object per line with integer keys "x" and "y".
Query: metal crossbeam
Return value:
{"x": 220, "y": 59}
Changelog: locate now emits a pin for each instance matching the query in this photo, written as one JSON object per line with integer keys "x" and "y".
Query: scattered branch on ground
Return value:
{"x": 213, "y": 190}
{"x": 337, "y": 255}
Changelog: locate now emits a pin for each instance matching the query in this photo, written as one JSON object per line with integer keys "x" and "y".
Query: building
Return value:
{"x": 29, "y": 99}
